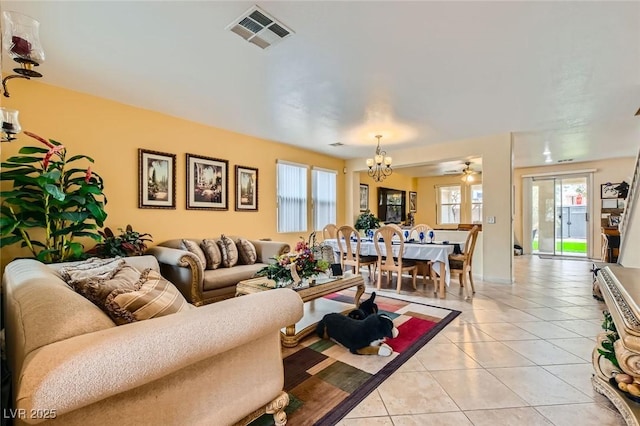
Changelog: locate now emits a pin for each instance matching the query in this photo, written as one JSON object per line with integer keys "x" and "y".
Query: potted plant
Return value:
{"x": 51, "y": 202}
{"x": 128, "y": 243}
{"x": 366, "y": 221}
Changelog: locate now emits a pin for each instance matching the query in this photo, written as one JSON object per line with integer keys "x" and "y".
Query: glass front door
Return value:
{"x": 559, "y": 216}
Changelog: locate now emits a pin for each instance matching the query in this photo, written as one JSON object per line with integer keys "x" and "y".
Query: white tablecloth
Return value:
{"x": 436, "y": 253}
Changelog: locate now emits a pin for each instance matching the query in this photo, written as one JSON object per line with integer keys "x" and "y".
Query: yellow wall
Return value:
{"x": 427, "y": 199}
{"x": 111, "y": 133}
{"x": 613, "y": 170}
{"x": 394, "y": 181}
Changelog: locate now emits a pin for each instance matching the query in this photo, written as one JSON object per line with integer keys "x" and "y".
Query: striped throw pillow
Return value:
{"x": 152, "y": 297}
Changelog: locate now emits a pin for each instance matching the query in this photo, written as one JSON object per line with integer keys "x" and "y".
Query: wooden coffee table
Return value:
{"x": 323, "y": 287}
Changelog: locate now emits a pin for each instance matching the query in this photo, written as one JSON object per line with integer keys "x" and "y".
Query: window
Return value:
{"x": 323, "y": 197}
{"x": 292, "y": 197}
{"x": 449, "y": 204}
{"x": 476, "y": 203}
{"x": 459, "y": 204}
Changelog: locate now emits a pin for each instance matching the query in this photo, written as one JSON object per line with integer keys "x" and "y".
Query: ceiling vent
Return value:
{"x": 336, "y": 144}
{"x": 259, "y": 28}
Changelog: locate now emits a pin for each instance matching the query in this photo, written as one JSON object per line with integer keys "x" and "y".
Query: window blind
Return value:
{"x": 323, "y": 197}
{"x": 292, "y": 197}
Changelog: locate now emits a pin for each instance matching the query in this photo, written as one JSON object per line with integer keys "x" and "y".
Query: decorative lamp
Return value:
{"x": 21, "y": 41}
{"x": 10, "y": 124}
{"x": 380, "y": 165}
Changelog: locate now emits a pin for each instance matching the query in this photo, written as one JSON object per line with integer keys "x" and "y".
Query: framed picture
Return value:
{"x": 246, "y": 189}
{"x": 207, "y": 183}
{"x": 364, "y": 197}
{"x": 156, "y": 180}
{"x": 413, "y": 201}
{"x": 607, "y": 190}
{"x": 614, "y": 220}
{"x": 609, "y": 203}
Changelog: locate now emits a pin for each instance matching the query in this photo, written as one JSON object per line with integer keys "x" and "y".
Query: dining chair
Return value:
{"x": 387, "y": 262}
{"x": 461, "y": 264}
{"x": 416, "y": 230}
{"x": 349, "y": 255}
{"x": 330, "y": 231}
{"x": 424, "y": 266}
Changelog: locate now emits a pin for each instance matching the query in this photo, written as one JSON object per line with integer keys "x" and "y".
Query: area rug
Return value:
{"x": 325, "y": 381}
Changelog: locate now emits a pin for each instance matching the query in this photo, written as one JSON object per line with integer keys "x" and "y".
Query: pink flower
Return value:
{"x": 87, "y": 177}
{"x": 48, "y": 155}
{"x": 39, "y": 138}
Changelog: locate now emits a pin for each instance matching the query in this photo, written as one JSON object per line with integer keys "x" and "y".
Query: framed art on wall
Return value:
{"x": 246, "y": 189}
{"x": 156, "y": 180}
{"x": 413, "y": 201}
{"x": 207, "y": 183}
{"x": 608, "y": 190}
{"x": 364, "y": 197}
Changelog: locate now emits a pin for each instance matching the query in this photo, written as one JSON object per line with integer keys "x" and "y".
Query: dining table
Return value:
{"x": 437, "y": 252}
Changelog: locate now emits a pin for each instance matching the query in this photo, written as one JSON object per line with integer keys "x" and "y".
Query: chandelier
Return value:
{"x": 467, "y": 173}
{"x": 377, "y": 170}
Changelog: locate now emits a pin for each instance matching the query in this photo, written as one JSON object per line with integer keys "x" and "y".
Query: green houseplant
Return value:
{"x": 51, "y": 203}
{"x": 366, "y": 221}
{"x": 128, "y": 243}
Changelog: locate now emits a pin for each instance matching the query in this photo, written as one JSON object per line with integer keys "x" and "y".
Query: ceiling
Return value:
{"x": 559, "y": 75}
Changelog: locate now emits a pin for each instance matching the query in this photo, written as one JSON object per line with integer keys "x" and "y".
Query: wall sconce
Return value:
{"x": 21, "y": 41}
{"x": 10, "y": 124}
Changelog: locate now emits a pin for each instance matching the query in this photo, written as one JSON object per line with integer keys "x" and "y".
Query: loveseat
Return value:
{"x": 200, "y": 285}
{"x": 213, "y": 365}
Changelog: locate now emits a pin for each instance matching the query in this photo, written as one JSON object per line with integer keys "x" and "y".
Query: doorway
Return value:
{"x": 559, "y": 215}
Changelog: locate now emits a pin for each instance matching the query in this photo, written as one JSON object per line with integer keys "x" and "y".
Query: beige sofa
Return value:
{"x": 201, "y": 286}
{"x": 214, "y": 365}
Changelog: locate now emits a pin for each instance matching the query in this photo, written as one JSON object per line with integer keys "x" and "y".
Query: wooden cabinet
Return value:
{"x": 621, "y": 291}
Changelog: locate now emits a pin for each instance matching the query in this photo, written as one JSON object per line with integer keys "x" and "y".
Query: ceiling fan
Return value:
{"x": 467, "y": 173}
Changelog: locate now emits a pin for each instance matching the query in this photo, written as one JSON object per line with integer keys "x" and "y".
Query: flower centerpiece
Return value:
{"x": 293, "y": 267}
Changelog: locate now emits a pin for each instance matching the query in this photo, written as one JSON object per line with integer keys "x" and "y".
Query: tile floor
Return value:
{"x": 517, "y": 355}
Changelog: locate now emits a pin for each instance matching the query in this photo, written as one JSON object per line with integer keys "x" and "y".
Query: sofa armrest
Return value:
{"x": 267, "y": 250}
{"x": 183, "y": 269}
{"x": 82, "y": 370}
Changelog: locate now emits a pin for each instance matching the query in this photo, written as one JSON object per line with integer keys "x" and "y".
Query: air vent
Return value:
{"x": 566, "y": 160}
{"x": 336, "y": 144}
{"x": 259, "y": 28}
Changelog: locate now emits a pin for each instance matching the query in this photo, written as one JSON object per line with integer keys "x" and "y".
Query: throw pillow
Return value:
{"x": 212, "y": 254}
{"x": 194, "y": 248}
{"x": 98, "y": 289}
{"x": 152, "y": 297}
{"x": 246, "y": 251}
{"x": 93, "y": 268}
{"x": 229, "y": 251}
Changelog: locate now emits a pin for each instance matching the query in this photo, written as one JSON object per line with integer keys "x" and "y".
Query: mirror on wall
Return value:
{"x": 392, "y": 205}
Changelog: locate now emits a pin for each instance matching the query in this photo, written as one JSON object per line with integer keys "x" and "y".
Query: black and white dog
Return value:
{"x": 363, "y": 337}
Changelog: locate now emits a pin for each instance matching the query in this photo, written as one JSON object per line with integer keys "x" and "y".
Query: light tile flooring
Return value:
{"x": 517, "y": 355}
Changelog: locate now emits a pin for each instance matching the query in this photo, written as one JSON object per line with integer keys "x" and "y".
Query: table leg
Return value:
{"x": 442, "y": 283}
{"x": 359, "y": 293}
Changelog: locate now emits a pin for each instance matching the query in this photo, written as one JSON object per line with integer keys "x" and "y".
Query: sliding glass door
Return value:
{"x": 559, "y": 215}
